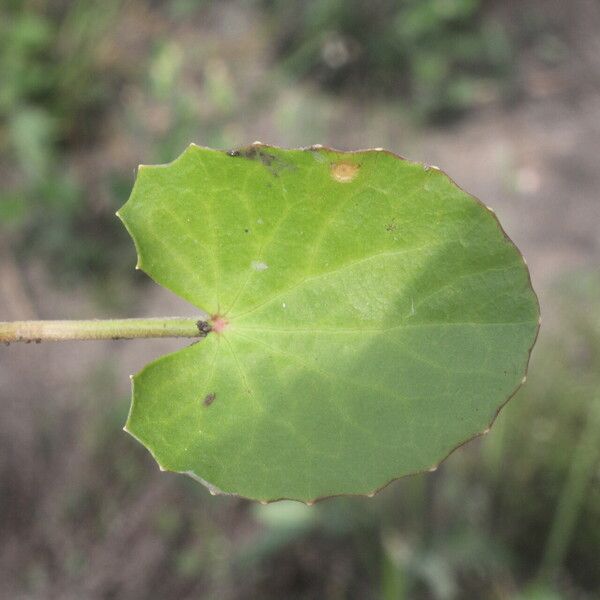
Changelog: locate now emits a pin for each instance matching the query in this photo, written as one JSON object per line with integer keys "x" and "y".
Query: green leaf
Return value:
{"x": 368, "y": 317}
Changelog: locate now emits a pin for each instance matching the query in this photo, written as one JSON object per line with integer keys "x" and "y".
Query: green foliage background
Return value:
{"x": 436, "y": 57}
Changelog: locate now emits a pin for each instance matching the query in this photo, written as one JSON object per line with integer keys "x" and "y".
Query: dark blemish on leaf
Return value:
{"x": 204, "y": 328}
{"x": 391, "y": 226}
{"x": 272, "y": 162}
{"x": 209, "y": 399}
{"x": 246, "y": 231}
{"x": 253, "y": 153}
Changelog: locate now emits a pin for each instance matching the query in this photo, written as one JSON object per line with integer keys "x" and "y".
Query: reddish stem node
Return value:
{"x": 219, "y": 324}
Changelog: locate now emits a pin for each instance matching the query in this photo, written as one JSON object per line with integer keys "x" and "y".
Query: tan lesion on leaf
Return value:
{"x": 344, "y": 172}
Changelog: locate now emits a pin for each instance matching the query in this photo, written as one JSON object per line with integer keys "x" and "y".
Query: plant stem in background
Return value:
{"x": 582, "y": 469}
{"x": 38, "y": 331}
{"x": 12, "y": 286}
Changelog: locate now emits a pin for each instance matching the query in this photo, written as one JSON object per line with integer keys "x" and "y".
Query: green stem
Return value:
{"x": 112, "y": 329}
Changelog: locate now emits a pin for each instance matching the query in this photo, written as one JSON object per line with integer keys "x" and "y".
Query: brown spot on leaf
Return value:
{"x": 391, "y": 226}
{"x": 344, "y": 172}
{"x": 209, "y": 399}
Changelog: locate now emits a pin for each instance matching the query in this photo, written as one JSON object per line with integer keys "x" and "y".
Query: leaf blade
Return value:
{"x": 378, "y": 315}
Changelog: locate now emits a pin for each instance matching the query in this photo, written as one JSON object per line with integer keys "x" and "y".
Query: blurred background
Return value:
{"x": 504, "y": 95}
